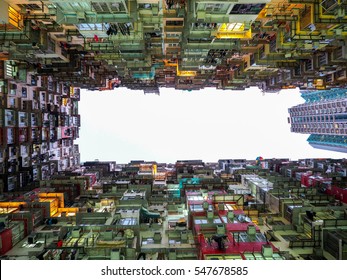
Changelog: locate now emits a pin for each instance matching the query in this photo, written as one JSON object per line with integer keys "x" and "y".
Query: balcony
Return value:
{"x": 173, "y": 29}
{"x": 174, "y": 13}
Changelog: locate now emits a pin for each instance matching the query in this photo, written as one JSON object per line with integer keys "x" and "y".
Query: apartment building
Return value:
{"x": 39, "y": 123}
{"x": 187, "y": 45}
{"x": 263, "y": 215}
{"x": 54, "y": 208}
{"x": 323, "y": 116}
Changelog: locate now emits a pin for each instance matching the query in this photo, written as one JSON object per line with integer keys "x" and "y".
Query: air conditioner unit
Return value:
{"x": 210, "y": 215}
{"x": 70, "y": 18}
{"x": 201, "y": 15}
{"x": 251, "y": 230}
{"x": 340, "y": 13}
{"x": 115, "y": 254}
{"x": 52, "y": 11}
{"x": 266, "y": 250}
{"x": 220, "y": 229}
{"x": 91, "y": 18}
{"x": 295, "y": 12}
{"x": 269, "y": 12}
{"x": 81, "y": 16}
{"x": 338, "y": 31}
{"x": 155, "y": 10}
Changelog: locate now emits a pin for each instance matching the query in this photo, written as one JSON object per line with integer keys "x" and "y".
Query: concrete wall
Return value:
{"x": 3, "y": 12}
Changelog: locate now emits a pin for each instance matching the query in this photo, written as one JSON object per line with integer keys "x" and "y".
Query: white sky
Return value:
{"x": 124, "y": 125}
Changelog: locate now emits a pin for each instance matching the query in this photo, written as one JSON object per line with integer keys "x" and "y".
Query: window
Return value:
{"x": 328, "y": 6}
{"x": 30, "y": 7}
{"x": 174, "y": 23}
{"x": 308, "y": 65}
{"x": 250, "y": 9}
{"x": 104, "y": 7}
{"x": 232, "y": 27}
{"x": 172, "y": 35}
{"x": 145, "y": 6}
{"x": 213, "y": 8}
{"x": 14, "y": 17}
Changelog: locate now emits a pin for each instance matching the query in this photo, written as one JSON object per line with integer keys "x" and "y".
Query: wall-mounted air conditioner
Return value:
{"x": 340, "y": 13}
{"x": 201, "y": 15}
{"x": 52, "y": 11}
{"x": 81, "y": 16}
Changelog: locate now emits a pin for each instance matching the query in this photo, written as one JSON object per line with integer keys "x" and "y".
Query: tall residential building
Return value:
{"x": 324, "y": 116}
{"x": 186, "y": 45}
{"x": 50, "y": 49}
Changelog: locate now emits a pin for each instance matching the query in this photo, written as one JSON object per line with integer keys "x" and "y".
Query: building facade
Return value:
{"x": 187, "y": 45}
{"x": 324, "y": 116}
{"x": 190, "y": 209}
